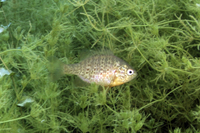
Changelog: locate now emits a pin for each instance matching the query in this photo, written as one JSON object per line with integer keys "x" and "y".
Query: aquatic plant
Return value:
{"x": 160, "y": 39}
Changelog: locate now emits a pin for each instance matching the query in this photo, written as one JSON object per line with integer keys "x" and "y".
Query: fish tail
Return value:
{"x": 55, "y": 68}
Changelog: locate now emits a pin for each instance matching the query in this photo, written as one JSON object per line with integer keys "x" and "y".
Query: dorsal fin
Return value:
{"x": 84, "y": 54}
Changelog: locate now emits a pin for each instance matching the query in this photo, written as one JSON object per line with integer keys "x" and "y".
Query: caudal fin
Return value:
{"x": 55, "y": 68}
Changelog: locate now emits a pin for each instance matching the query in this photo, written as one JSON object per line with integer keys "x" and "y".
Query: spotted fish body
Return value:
{"x": 102, "y": 69}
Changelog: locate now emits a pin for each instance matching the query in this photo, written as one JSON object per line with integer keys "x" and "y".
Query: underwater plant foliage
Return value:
{"x": 160, "y": 39}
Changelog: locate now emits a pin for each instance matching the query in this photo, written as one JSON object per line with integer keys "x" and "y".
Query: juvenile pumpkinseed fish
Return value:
{"x": 102, "y": 69}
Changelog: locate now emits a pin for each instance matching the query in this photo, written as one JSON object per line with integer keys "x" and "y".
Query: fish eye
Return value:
{"x": 130, "y": 72}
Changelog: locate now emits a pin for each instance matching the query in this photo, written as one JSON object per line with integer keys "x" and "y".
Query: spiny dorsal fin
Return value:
{"x": 84, "y": 54}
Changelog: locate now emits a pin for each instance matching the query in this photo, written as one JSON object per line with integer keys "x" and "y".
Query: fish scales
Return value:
{"x": 105, "y": 70}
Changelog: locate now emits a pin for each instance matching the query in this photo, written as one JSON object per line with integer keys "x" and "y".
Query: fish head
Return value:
{"x": 123, "y": 74}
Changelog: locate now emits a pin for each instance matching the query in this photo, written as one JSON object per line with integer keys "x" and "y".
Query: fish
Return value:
{"x": 104, "y": 69}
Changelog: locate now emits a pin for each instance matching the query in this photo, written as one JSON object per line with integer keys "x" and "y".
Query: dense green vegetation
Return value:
{"x": 159, "y": 38}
